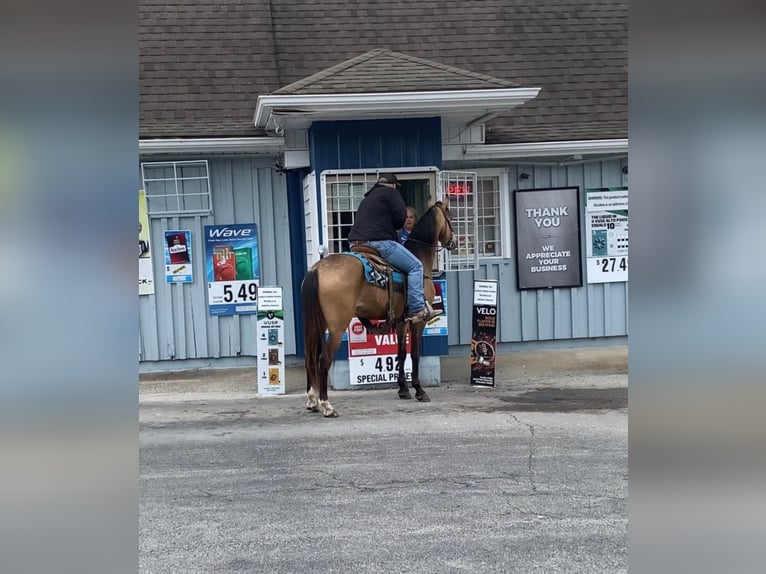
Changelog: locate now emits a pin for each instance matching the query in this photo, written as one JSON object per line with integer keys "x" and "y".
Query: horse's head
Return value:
{"x": 446, "y": 234}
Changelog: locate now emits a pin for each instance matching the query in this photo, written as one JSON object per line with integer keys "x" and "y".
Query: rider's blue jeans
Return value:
{"x": 401, "y": 258}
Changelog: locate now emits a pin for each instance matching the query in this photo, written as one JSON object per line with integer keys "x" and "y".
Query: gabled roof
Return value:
{"x": 202, "y": 66}
{"x": 382, "y": 70}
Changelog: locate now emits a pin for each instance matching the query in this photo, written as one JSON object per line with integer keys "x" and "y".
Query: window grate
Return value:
{"x": 177, "y": 187}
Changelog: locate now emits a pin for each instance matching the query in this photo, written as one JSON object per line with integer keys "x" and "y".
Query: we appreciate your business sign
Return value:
{"x": 548, "y": 238}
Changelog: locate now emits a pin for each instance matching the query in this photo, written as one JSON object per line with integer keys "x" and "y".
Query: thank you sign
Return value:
{"x": 548, "y": 238}
{"x": 484, "y": 333}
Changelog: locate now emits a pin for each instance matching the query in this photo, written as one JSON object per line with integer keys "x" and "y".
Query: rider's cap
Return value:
{"x": 389, "y": 178}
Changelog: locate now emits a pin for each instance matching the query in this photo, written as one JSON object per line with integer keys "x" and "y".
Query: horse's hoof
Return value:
{"x": 331, "y": 415}
{"x": 424, "y": 398}
{"x": 405, "y": 395}
{"x": 313, "y": 409}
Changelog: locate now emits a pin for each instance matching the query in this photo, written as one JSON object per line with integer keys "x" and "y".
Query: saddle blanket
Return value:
{"x": 372, "y": 275}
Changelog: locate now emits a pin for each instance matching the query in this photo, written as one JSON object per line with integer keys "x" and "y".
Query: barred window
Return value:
{"x": 177, "y": 187}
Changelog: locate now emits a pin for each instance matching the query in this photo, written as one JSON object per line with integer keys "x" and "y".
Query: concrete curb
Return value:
{"x": 516, "y": 366}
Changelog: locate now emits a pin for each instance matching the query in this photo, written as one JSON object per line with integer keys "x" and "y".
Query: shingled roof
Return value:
{"x": 203, "y": 64}
{"x": 382, "y": 70}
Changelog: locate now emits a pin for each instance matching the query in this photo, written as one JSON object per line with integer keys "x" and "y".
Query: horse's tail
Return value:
{"x": 313, "y": 325}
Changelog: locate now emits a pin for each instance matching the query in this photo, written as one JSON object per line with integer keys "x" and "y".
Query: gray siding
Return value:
{"x": 598, "y": 310}
{"x": 174, "y": 322}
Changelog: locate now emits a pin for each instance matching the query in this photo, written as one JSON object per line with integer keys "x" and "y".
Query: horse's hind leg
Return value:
{"x": 324, "y": 371}
{"x": 401, "y": 357}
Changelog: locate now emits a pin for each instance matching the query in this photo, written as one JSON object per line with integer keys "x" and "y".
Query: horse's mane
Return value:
{"x": 422, "y": 237}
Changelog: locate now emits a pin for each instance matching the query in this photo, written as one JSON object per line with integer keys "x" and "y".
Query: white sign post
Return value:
{"x": 271, "y": 342}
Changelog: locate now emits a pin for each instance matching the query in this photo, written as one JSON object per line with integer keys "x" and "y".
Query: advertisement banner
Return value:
{"x": 606, "y": 234}
{"x": 548, "y": 238}
{"x": 271, "y": 342}
{"x": 484, "y": 333}
{"x": 232, "y": 268}
{"x": 178, "y": 257}
{"x": 145, "y": 272}
{"x": 438, "y": 325}
{"x": 372, "y": 358}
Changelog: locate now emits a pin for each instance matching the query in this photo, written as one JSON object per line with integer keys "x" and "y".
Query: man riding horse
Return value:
{"x": 381, "y": 214}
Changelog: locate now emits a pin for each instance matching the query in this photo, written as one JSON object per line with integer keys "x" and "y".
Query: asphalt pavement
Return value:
{"x": 529, "y": 476}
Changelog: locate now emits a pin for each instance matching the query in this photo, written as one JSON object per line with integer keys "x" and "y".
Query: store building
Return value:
{"x": 248, "y": 120}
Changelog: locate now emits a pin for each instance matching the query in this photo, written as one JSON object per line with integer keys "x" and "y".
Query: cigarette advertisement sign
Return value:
{"x": 484, "y": 333}
{"x": 438, "y": 325}
{"x": 145, "y": 273}
{"x": 372, "y": 358}
{"x": 232, "y": 268}
{"x": 606, "y": 234}
{"x": 178, "y": 257}
{"x": 548, "y": 238}
{"x": 271, "y": 342}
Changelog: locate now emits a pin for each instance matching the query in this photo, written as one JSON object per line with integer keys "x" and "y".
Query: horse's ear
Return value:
{"x": 445, "y": 202}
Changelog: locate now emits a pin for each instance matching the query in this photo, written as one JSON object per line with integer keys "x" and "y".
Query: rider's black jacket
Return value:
{"x": 381, "y": 213}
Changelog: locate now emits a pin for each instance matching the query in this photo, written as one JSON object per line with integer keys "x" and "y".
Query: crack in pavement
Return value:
{"x": 531, "y": 452}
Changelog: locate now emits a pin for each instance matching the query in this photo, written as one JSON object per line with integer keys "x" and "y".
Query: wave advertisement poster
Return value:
{"x": 232, "y": 268}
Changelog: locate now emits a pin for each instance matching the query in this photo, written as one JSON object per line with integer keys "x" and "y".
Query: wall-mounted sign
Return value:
{"x": 178, "y": 257}
{"x": 232, "y": 268}
{"x": 145, "y": 272}
{"x": 606, "y": 234}
{"x": 438, "y": 325}
{"x": 548, "y": 238}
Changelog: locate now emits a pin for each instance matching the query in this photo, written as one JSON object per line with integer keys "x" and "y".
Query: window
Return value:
{"x": 177, "y": 187}
{"x": 486, "y": 204}
{"x": 489, "y": 236}
{"x": 344, "y": 193}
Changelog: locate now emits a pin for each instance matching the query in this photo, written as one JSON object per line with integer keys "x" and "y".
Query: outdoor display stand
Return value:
{"x": 271, "y": 342}
{"x": 484, "y": 333}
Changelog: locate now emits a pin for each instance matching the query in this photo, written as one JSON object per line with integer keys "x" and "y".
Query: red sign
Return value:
{"x": 459, "y": 189}
{"x": 372, "y": 358}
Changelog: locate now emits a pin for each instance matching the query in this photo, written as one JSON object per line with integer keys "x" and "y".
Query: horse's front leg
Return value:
{"x": 401, "y": 356}
{"x": 416, "y": 334}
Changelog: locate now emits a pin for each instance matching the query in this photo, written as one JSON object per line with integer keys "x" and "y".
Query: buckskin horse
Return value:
{"x": 335, "y": 289}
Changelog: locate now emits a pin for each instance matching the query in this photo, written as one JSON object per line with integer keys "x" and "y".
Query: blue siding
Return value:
{"x": 591, "y": 311}
{"x": 174, "y": 323}
{"x": 375, "y": 144}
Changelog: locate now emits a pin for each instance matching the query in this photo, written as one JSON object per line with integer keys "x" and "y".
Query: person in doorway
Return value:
{"x": 381, "y": 212}
{"x": 409, "y": 223}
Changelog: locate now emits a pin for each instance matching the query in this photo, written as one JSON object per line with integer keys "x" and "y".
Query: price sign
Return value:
{"x": 232, "y": 268}
{"x": 235, "y": 292}
{"x": 606, "y": 218}
{"x": 372, "y": 358}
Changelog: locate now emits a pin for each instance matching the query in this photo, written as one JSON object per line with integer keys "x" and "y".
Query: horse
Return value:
{"x": 335, "y": 289}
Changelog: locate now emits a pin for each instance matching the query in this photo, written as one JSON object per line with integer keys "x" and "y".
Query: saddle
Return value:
{"x": 380, "y": 273}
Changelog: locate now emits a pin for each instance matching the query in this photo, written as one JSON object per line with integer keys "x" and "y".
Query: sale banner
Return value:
{"x": 606, "y": 234}
{"x": 178, "y": 257}
{"x": 232, "y": 268}
{"x": 372, "y": 358}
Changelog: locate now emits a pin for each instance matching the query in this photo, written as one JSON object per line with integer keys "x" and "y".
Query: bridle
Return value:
{"x": 451, "y": 244}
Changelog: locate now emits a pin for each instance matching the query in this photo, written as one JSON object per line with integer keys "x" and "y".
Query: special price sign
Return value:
{"x": 606, "y": 224}
{"x": 372, "y": 358}
{"x": 232, "y": 268}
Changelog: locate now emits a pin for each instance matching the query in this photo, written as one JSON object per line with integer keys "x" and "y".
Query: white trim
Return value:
{"x": 270, "y": 107}
{"x": 536, "y": 149}
{"x": 258, "y": 145}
